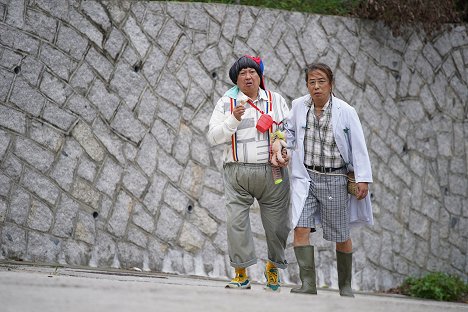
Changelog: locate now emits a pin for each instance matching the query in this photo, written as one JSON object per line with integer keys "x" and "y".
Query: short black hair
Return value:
{"x": 322, "y": 67}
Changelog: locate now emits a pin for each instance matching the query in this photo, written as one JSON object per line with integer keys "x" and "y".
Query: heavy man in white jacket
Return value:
{"x": 326, "y": 141}
{"x": 248, "y": 172}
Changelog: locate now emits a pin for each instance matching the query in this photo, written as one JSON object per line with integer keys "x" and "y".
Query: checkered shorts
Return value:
{"x": 327, "y": 204}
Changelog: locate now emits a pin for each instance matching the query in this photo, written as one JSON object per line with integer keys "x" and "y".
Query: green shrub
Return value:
{"x": 437, "y": 286}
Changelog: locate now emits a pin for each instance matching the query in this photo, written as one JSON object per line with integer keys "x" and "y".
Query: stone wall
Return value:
{"x": 104, "y": 107}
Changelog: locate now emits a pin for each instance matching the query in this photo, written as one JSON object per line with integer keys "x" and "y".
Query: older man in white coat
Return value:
{"x": 326, "y": 142}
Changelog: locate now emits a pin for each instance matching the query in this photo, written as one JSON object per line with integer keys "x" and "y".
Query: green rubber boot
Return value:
{"x": 306, "y": 262}
{"x": 344, "y": 263}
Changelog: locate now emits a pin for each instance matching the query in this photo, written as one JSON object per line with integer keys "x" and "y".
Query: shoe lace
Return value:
{"x": 272, "y": 277}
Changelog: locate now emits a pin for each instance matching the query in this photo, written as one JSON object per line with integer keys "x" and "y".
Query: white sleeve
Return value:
{"x": 222, "y": 126}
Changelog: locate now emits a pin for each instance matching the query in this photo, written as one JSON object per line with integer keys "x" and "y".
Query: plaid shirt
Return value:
{"x": 319, "y": 144}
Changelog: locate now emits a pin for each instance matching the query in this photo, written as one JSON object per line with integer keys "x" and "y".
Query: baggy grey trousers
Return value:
{"x": 242, "y": 183}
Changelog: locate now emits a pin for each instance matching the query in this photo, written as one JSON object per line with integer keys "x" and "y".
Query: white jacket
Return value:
{"x": 351, "y": 143}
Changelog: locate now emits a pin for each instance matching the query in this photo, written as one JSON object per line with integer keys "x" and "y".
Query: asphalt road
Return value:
{"x": 31, "y": 288}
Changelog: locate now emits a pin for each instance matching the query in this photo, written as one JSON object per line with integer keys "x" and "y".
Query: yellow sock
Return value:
{"x": 242, "y": 272}
{"x": 269, "y": 266}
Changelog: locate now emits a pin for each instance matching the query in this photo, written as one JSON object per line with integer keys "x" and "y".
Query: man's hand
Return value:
{"x": 238, "y": 111}
{"x": 362, "y": 190}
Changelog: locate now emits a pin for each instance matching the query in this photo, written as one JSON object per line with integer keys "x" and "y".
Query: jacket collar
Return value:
{"x": 235, "y": 92}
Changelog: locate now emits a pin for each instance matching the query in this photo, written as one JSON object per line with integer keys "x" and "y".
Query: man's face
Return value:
{"x": 319, "y": 86}
{"x": 248, "y": 81}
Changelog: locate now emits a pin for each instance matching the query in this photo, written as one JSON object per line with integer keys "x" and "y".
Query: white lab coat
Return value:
{"x": 351, "y": 143}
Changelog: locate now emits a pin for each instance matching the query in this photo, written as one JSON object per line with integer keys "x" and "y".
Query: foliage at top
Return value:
{"x": 396, "y": 14}
{"x": 427, "y": 14}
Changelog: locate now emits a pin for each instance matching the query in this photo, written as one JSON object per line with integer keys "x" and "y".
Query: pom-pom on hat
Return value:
{"x": 247, "y": 61}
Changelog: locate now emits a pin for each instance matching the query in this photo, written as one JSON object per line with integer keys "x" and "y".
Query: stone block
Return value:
{"x": 105, "y": 101}
{"x": 153, "y": 196}
{"x": 58, "y": 117}
{"x": 165, "y": 136}
{"x": 200, "y": 120}
{"x": 99, "y": 63}
{"x": 26, "y": 98}
{"x": 168, "y": 224}
{"x": 10, "y": 59}
{"x": 104, "y": 250}
{"x": 64, "y": 169}
{"x": 97, "y": 13}
{"x": 40, "y": 24}
{"x": 40, "y": 185}
{"x": 40, "y": 216}
{"x": 87, "y": 169}
{"x": 128, "y": 84}
{"x": 12, "y": 167}
{"x": 18, "y": 40}
{"x": 114, "y": 42}
{"x": 169, "y": 113}
{"x": 13, "y": 242}
{"x": 15, "y": 14}
{"x": 214, "y": 203}
{"x": 147, "y": 155}
{"x": 82, "y": 107}
{"x": 5, "y": 184}
{"x": 193, "y": 178}
{"x": 154, "y": 20}
{"x": 169, "y": 35}
{"x": 6, "y": 79}
{"x": 458, "y": 184}
{"x": 154, "y": 65}
{"x": 33, "y": 154}
{"x": 121, "y": 214}
{"x": 182, "y": 146}
{"x": 111, "y": 141}
{"x": 43, "y": 247}
{"x": 109, "y": 177}
{"x": 4, "y": 142}
{"x": 204, "y": 79}
{"x": 86, "y": 193}
{"x": 168, "y": 166}
{"x": 3, "y": 207}
{"x": 76, "y": 253}
{"x": 169, "y": 89}
{"x": 138, "y": 38}
{"x": 85, "y": 27}
{"x": 60, "y": 64}
{"x": 130, "y": 255}
{"x": 137, "y": 236}
{"x": 85, "y": 229}
{"x": 134, "y": 181}
{"x": 46, "y": 135}
{"x": 31, "y": 69}
{"x": 83, "y": 134}
{"x": 127, "y": 125}
{"x": 156, "y": 253}
{"x": 176, "y": 199}
{"x": 200, "y": 218}
{"x": 65, "y": 217}
{"x": 200, "y": 150}
{"x": 173, "y": 262}
{"x": 143, "y": 219}
{"x": 82, "y": 78}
